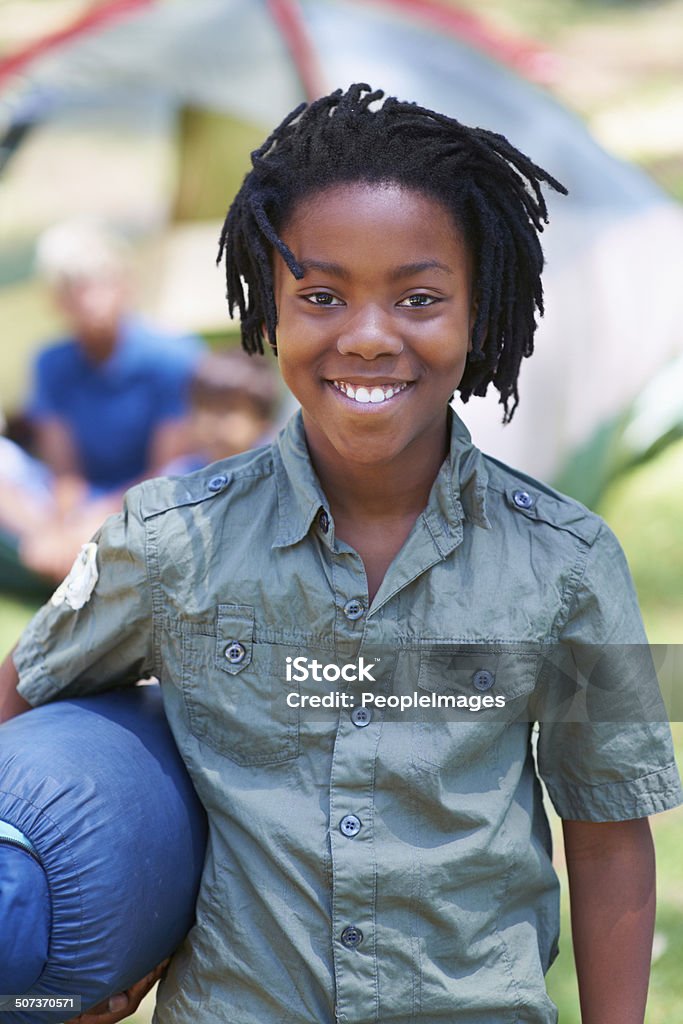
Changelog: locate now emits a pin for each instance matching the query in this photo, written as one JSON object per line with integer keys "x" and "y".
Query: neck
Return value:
{"x": 99, "y": 346}
{"x": 397, "y": 489}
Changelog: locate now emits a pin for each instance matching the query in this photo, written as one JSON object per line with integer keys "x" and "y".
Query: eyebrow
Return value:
{"x": 326, "y": 268}
{"x": 405, "y": 270}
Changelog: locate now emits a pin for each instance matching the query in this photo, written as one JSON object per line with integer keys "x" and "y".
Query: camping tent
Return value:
{"x": 615, "y": 259}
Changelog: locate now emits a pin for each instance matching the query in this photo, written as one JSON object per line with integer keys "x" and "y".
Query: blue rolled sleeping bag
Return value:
{"x": 102, "y": 843}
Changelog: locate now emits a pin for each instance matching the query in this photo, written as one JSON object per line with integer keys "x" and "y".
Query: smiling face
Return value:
{"x": 373, "y": 340}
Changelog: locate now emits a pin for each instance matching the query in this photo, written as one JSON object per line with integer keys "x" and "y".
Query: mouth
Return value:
{"x": 376, "y": 394}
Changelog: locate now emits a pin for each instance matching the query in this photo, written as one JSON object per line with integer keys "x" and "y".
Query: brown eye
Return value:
{"x": 418, "y": 301}
{"x": 323, "y": 299}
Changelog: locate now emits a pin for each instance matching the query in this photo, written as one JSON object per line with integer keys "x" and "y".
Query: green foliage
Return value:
{"x": 214, "y": 155}
{"x": 644, "y": 509}
{"x": 548, "y": 20}
{"x": 14, "y": 615}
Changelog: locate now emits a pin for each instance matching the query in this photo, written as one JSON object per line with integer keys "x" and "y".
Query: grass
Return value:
{"x": 643, "y": 508}
{"x": 14, "y": 615}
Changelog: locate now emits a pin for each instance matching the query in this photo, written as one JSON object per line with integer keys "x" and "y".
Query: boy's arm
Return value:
{"x": 55, "y": 447}
{"x": 11, "y": 703}
{"x": 611, "y": 869}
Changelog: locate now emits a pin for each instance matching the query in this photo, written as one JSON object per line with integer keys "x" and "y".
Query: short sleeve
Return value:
{"x": 604, "y": 746}
{"x": 106, "y": 643}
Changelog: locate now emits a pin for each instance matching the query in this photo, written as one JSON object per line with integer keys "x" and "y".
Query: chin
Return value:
{"x": 365, "y": 453}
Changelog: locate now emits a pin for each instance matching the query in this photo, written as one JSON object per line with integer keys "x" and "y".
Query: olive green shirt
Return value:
{"x": 364, "y": 864}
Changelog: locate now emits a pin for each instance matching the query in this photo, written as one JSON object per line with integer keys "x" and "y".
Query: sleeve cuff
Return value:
{"x": 35, "y": 684}
{"x": 618, "y": 801}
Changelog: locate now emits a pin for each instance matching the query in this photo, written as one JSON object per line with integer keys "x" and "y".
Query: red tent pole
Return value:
{"x": 289, "y": 19}
{"x": 524, "y": 55}
{"x": 100, "y": 15}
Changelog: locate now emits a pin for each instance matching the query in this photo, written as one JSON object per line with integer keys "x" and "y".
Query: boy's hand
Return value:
{"x": 123, "y": 1003}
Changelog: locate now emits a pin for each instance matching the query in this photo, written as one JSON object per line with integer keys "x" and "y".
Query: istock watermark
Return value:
{"x": 299, "y": 670}
{"x": 302, "y": 670}
{"x": 504, "y": 681}
{"x": 402, "y": 702}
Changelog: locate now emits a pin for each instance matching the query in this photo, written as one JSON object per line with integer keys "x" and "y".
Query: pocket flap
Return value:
{"x": 467, "y": 671}
{"x": 234, "y": 637}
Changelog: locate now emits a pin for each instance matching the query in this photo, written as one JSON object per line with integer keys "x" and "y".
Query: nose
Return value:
{"x": 369, "y": 333}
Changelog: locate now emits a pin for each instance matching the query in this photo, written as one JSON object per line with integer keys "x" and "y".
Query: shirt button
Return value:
{"x": 351, "y": 937}
{"x": 353, "y": 609}
{"x": 522, "y": 499}
{"x": 235, "y": 652}
{"x": 483, "y": 680}
{"x": 323, "y": 520}
{"x": 361, "y": 717}
{"x": 217, "y": 483}
{"x": 350, "y": 825}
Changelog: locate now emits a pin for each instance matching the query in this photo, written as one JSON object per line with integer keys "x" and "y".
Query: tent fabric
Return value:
{"x": 99, "y": 789}
{"x": 229, "y": 55}
{"x": 614, "y": 308}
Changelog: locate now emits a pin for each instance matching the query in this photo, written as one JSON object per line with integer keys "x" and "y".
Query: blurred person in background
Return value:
{"x": 28, "y": 502}
{"x": 25, "y": 486}
{"x": 108, "y": 407}
{"x": 108, "y": 401}
{"x": 233, "y": 402}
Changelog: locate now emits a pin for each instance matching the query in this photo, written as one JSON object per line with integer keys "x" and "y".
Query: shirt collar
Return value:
{"x": 459, "y": 491}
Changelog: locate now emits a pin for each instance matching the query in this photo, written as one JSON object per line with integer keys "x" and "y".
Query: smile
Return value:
{"x": 375, "y": 395}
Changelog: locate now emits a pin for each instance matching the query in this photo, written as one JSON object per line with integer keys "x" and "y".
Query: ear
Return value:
{"x": 266, "y": 338}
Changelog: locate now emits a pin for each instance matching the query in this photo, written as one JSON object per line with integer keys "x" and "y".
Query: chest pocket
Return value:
{"x": 234, "y": 692}
{"x": 477, "y": 691}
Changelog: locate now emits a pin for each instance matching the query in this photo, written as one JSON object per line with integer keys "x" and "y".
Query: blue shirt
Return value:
{"x": 113, "y": 408}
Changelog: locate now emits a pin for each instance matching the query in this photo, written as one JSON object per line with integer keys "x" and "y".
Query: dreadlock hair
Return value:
{"x": 492, "y": 191}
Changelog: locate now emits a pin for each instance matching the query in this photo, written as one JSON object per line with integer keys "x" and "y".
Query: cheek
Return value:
{"x": 297, "y": 354}
{"x": 286, "y": 371}
{"x": 447, "y": 346}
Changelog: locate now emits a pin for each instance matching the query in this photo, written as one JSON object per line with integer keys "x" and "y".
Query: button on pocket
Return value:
{"x": 235, "y": 691}
{"x": 490, "y": 686}
{"x": 483, "y": 679}
{"x": 235, "y": 652}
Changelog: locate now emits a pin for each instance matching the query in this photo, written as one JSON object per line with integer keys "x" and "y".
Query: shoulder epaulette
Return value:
{"x": 537, "y": 501}
{"x": 167, "y": 493}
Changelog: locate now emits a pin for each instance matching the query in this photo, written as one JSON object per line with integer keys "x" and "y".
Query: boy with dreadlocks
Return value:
{"x": 367, "y": 864}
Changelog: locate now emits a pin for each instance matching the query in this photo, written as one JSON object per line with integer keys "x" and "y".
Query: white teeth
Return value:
{"x": 375, "y": 395}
